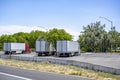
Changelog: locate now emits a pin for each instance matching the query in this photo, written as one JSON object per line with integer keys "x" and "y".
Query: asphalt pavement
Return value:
{"x": 103, "y": 59}
{"x": 5, "y": 76}
{"x": 106, "y": 62}
{"x": 13, "y": 73}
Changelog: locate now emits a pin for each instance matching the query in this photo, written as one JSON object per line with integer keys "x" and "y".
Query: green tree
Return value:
{"x": 21, "y": 37}
{"x": 94, "y": 37}
{"x": 34, "y": 35}
{"x": 58, "y": 34}
{"x": 11, "y": 39}
{"x": 115, "y": 39}
{"x": 3, "y": 39}
{"x": 81, "y": 43}
{"x": 105, "y": 42}
{"x": 6, "y": 38}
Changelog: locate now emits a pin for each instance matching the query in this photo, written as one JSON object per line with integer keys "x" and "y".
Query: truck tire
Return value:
{"x": 39, "y": 54}
{"x": 58, "y": 55}
{"x": 13, "y": 52}
{"x": 23, "y": 52}
{"x": 76, "y": 54}
{"x": 6, "y": 52}
{"x": 69, "y": 55}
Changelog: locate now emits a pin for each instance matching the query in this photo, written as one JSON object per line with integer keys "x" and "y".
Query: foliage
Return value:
{"x": 115, "y": 39}
{"x": 21, "y": 37}
{"x": 94, "y": 38}
{"x": 58, "y": 34}
{"x": 52, "y": 36}
{"x": 33, "y": 36}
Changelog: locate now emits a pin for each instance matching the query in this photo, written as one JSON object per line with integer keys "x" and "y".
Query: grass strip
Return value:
{"x": 62, "y": 69}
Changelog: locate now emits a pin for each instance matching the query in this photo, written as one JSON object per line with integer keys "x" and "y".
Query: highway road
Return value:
{"x": 13, "y": 73}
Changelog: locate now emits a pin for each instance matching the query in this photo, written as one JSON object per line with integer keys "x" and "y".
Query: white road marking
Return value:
{"x": 15, "y": 76}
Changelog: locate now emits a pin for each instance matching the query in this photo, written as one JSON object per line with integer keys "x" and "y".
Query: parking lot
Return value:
{"x": 103, "y": 59}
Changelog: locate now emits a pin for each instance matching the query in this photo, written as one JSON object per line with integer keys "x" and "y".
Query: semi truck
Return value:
{"x": 67, "y": 48}
{"x": 44, "y": 48}
{"x": 12, "y": 48}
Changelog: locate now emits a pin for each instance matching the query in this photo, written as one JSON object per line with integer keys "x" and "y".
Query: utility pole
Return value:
{"x": 112, "y": 28}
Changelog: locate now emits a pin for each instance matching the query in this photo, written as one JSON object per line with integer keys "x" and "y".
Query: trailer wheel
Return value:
{"x": 76, "y": 54}
{"x": 69, "y": 55}
{"x": 39, "y": 54}
{"x": 52, "y": 54}
{"x": 23, "y": 52}
{"x": 46, "y": 54}
{"x": 58, "y": 55}
{"x": 6, "y": 52}
{"x": 13, "y": 52}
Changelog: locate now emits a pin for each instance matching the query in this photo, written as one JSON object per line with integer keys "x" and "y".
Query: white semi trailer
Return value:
{"x": 44, "y": 48}
{"x": 11, "y": 48}
{"x": 67, "y": 48}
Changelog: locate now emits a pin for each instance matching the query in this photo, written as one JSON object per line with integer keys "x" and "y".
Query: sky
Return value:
{"x": 71, "y": 15}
